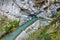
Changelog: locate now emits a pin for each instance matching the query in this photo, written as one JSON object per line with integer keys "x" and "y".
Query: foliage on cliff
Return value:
{"x": 50, "y": 32}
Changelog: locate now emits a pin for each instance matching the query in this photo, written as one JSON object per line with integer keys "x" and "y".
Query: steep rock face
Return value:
{"x": 23, "y": 8}
{"x": 39, "y": 2}
{"x": 9, "y": 7}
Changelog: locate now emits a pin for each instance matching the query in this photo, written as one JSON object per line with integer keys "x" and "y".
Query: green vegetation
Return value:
{"x": 11, "y": 24}
{"x": 50, "y": 32}
{"x": 7, "y": 25}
